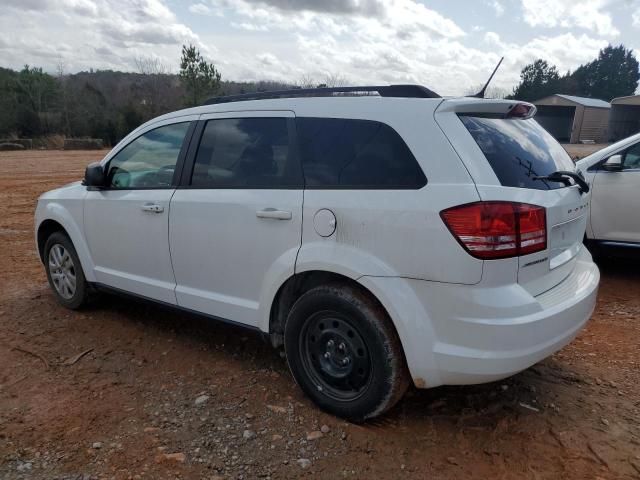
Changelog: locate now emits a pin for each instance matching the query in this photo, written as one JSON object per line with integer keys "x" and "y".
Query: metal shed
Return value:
{"x": 625, "y": 117}
{"x": 574, "y": 119}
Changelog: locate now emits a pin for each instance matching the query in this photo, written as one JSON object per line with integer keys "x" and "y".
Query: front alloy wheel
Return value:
{"x": 64, "y": 271}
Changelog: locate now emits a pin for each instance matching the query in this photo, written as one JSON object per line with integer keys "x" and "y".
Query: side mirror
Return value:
{"x": 94, "y": 176}
{"x": 613, "y": 163}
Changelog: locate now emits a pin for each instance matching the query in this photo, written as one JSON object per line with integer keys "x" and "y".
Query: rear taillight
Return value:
{"x": 490, "y": 230}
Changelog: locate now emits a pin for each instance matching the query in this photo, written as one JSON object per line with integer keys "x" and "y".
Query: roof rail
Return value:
{"x": 408, "y": 91}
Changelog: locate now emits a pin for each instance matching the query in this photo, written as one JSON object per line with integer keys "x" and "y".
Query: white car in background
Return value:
{"x": 614, "y": 176}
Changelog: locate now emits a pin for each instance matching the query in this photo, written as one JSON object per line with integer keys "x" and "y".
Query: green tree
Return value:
{"x": 613, "y": 74}
{"x": 537, "y": 80}
{"x": 8, "y": 102}
{"x": 36, "y": 94}
{"x": 199, "y": 77}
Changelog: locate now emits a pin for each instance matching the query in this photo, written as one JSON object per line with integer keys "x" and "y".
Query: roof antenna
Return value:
{"x": 481, "y": 93}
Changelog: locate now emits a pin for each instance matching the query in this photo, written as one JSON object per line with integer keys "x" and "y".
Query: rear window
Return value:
{"x": 518, "y": 151}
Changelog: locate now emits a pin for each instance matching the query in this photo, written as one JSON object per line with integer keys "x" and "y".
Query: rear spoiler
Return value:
{"x": 498, "y": 108}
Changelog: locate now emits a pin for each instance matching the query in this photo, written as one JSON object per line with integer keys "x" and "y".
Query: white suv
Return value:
{"x": 381, "y": 234}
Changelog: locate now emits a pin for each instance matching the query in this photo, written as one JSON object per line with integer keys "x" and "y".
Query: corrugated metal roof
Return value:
{"x": 587, "y": 102}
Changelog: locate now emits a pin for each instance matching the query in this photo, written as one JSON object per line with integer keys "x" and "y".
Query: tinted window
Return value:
{"x": 148, "y": 161}
{"x": 519, "y": 150}
{"x": 246, "y": 153}
{"x": 343, "y": 153}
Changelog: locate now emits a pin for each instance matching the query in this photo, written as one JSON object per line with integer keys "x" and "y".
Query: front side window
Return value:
{"x": 357, "y": 154}
{"x": 632, "y": 157}
{"x": 149, "y": 161}
{"x": 246, "y": 153}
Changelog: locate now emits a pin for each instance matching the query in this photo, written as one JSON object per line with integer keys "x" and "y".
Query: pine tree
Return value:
{"x": 199, "y": 77}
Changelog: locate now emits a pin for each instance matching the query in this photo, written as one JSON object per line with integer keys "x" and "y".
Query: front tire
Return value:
{"x": 344, "y": 352}
{"x": 64, "y": 272}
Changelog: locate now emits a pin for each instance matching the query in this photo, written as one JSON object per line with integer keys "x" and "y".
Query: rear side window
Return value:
{"x": 519, "y": 150}
{"x": 246, "y": 153}
{"x": 358, "y": 154}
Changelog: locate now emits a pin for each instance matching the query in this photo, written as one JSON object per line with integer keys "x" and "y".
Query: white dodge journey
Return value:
{"x": 382, "y": 235}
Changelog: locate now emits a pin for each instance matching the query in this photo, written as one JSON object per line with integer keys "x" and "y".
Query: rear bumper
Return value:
{"x": 565, "y": 310}
{"x": 480, "y": 334}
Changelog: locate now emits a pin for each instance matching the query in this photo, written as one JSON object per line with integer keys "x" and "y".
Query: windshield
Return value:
{"x": 518, "y": 151}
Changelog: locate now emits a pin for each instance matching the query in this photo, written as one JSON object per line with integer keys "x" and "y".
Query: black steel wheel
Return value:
{"x": 344, "y": 352}
{"x": 335, "y": 355}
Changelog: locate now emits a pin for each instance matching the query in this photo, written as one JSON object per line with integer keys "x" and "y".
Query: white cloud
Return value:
{"x": 492, "y": 38}
{"x": 251, "y": 27}
{"x": 566, "y": 51}
{"x": 408, "y": 43}
{"x": 401, "y": 46}
{"x": 636, "y": 18}
{"x": 356, "y": 7}
{"x": 498, "y": 8}
{"x": 268, "y": 59}
{"x": 364, "y": 41}
{"x": 405, "y": 16}
{"x": 113, "y": 33}
{"x": 200, "y": 9}
{"x": 586, "y": 14}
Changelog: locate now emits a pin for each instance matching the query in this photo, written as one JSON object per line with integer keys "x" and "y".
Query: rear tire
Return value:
{"x": 64, "y": 272}
{"x": 344, "y": 352}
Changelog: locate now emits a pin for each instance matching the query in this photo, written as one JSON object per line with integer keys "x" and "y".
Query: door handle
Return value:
{"x": 152, "y": 207}
{"x": 274, "y": 213}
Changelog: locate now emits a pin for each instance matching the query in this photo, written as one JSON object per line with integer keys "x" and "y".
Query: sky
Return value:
{"x": 450, "y": 46}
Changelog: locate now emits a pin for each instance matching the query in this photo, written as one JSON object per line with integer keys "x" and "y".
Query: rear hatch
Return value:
{"x": 505, "y": 151}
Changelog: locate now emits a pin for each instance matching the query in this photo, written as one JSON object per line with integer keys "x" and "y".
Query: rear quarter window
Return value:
{"x": 355, "y": 154}
{"x": 518, "y": 151}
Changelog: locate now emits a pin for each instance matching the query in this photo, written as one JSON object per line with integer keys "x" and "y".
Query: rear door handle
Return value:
{"x": 152, "y": 207}
{"x": 274, "y": 213}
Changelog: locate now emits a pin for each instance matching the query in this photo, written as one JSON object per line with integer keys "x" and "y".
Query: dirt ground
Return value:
{"x": 159, "y": 394}
{"x": 577, "y": 151}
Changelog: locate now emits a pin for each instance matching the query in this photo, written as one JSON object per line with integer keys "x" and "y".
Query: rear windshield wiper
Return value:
{"x": 565, "y": 177}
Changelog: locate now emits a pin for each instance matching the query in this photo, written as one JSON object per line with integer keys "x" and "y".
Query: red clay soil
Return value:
{"x": 159, "y": 394}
